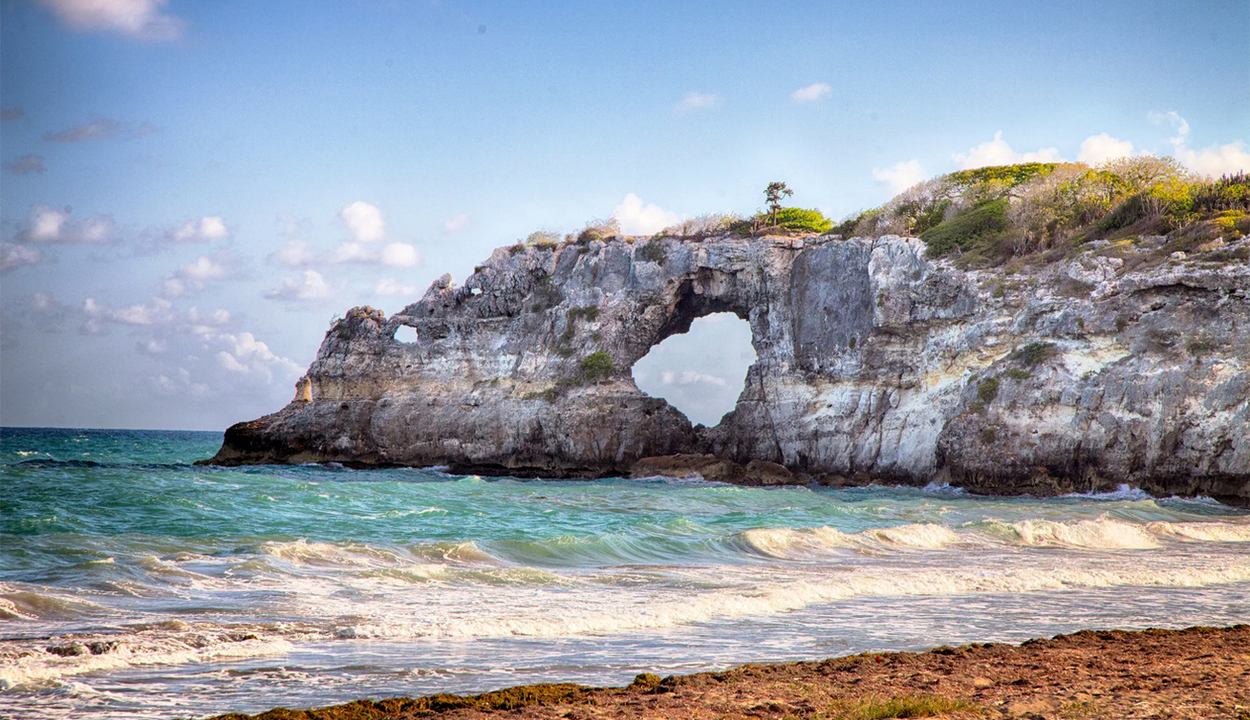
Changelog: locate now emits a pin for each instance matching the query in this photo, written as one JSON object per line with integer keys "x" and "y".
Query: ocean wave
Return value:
{"x": 1101, "y": 534}
{"x": 31, "y": 664}
{"x": 1201, "y": 531}
{"x": 770, "y": 598}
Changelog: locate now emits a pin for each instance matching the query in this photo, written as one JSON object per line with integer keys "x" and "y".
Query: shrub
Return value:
{"x": 653, "y": 251}
{"x": 987, "y": 390}
{"x": 1019, "y": 374}
{"x": 597, "y": 366}
{"x": 543, "y": 238}
{"x": 599, "y": 230}
{"x": 702, "y": 225}
{"x": 802, "y": 220}
{"x": 968, "y": 230}
{"x": 589, "y": 312}
{"x": 1034, "y": 353}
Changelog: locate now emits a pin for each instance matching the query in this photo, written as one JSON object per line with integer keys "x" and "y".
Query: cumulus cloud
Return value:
{"x": 14, "y": 255}
{"x": 139, "y": 19}
{"x": 998, "y": 152}
{"x": 55, "y": 226}
{"x": 1100, "y": 148}
{"x": 692, "y": 101}
{"x": 456, "y": 223}
{"x": 399, "y": 255}
{"x": 1173, "y": 118}
{"x": 900, "y": 176}
{"x": 207, "y": 228}
{"x": 245, "y": 354}
{"x": 310, "y": 288}
{"x": 691, "y": 377}
{"x": 194, "y": 276}
{"x": 812, "y": 92}
{"x": 1214, "y": 160}
{"x": 25, "y": 165}
{"x": 635, "y": 218}
{"x": 391, "y": 287}
{"x": 295, "y": 253}
{"x": 365, "y": 221}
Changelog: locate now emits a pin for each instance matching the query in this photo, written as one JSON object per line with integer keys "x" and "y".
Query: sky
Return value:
{"x": 191, "y": 191}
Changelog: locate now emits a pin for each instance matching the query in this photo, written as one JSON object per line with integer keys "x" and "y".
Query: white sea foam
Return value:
{"x": 1101, "y": 534}
{"x": 916, "y": 535}
{"x": 1202, "y": 531}
{"x": 607, "y": 615}
{"x": 29, "y": 663}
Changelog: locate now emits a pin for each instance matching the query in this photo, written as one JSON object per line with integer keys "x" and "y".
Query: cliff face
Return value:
{"x": 871, "y": 359}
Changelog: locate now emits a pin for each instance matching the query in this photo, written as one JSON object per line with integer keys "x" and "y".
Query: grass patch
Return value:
{"x": 902, "y": 706}
{"x": 1019, "y": 374}
{"x": 589, "y": 313}
{"x": 968, "y": 231}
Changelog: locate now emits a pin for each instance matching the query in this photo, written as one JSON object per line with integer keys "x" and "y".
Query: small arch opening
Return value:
{"x": 405, "y": 334}
{"x": 702, "y": 371}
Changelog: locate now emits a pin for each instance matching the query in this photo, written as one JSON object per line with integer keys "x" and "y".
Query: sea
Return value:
{"x": 136, "y": 584}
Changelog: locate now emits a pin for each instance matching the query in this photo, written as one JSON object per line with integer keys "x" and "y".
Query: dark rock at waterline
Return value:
{"x": 872, "y": 361}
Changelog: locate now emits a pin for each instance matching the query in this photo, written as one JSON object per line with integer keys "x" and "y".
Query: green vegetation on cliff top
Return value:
{"x": 1004, "y": 215}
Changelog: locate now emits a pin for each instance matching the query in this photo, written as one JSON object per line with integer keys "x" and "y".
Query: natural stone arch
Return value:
{"x": 703, "y": 391}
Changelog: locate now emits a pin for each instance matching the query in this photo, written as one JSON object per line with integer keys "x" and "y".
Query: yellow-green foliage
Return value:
{"x": 989, "y": 215}
{"x": 902, "y": 706}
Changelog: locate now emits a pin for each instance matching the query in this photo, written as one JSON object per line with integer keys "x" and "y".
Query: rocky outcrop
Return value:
{"x": 872, "y": 361}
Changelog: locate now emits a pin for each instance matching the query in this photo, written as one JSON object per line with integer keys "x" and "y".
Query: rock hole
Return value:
{"x": 405, "y": 334}
{"x": 700, "y": 372}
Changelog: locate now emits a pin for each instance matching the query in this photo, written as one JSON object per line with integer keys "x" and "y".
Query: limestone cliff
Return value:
{"x": 1073, "y": 376}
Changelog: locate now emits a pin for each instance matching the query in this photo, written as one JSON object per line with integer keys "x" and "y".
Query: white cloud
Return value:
{"x": 211, "y": 227}
{"x": 1211, "y": 161}
{"x": 194, "y": 275}
{"x": 14, "y": 255}
{"x": 399, "y": 255}
{"x": 365, "y": 221}
{"x": 1100, "y": 148}
{"x": 1216, "y": 160}
{"x": 698, "y": 101}
{"x": 247, "y": 355}
{"x": 54, "y": 226}
{"x": 812, "y": 92}
{"x": 312, "y": 287}
{"x": 1177, "y": 122}
{"x": 998, "y": 152}
{"x": 638, "y": 219}
{"x": 456, "y": 223}
{"x": 391, "y": 287}
{"x": 141, "y": 19}
{"x": 901, "y": 176}
{"x": 353, "y": 252}
{"x": 295, "y": 253}
{"x": 690, "y": 377}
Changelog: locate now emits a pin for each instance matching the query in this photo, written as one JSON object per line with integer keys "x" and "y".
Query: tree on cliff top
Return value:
{"x": 773, "y": 194}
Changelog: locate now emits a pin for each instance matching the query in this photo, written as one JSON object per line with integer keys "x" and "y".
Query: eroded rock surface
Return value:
{"x": 871, "y": 360}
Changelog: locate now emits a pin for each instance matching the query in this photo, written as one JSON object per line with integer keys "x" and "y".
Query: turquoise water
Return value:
{"x": 133, "y": 583}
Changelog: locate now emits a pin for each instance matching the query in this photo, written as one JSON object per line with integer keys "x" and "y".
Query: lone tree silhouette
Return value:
{"x": 774, "y": 193}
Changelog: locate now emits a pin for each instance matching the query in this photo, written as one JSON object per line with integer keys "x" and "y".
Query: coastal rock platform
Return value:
{"x": 1192, "y": 674}
{"x": 873, "y": 361}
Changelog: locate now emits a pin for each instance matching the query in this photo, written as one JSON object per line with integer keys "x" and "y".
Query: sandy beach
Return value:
{"x": 1193, "y": 673}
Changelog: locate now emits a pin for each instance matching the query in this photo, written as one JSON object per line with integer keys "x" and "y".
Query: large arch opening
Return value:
{"x": 701, "y": 371}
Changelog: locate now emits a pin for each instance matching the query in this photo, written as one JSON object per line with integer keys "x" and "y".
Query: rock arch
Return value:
{"x": 868, "y": 362}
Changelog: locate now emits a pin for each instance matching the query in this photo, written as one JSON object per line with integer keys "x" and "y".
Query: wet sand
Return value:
{"x": 1192, "y": 673}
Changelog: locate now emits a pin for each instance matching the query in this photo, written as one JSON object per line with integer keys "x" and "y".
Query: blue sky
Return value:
{"x": 192, "y": 190}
